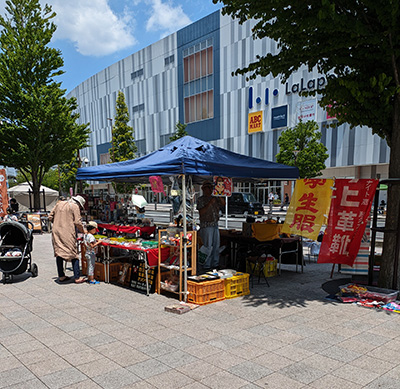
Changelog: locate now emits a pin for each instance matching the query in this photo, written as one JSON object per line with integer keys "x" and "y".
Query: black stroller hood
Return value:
{"x": 14, "y": 234}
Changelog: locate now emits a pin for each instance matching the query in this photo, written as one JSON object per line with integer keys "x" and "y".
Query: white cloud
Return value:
{"x": 166, "y": 18}
{"x": 93, "y": 27}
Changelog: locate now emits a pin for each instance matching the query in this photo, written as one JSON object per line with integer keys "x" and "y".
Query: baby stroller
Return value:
{"x": 15, "y": 250}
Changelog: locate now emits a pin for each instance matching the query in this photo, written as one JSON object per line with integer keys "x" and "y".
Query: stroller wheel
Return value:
{"x": 34, "y": 270}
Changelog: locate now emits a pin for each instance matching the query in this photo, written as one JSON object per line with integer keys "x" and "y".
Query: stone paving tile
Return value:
{"x": 354, "y": 374}
{"x": 19, "y": 348}
{"x": 157, "y": 349}
{"x": 177, "y": 358}
{"x": 198, "y": 370}
{"x": 225, "y": 342}
{"x": 169, "y": 380}
{"x": 385, "y": 354}
{"x": 263, "y": 329}
{"x": 223, "y": 360}
{"x": 16, "y": 339}
{"x": 36, "y": 356}
{"x": 248, "y": 351}
{"x": 294, "y": 353}
{"x": 250, "y": 371}
{"x": 98, "y": 367}
{"x": 332, "y": 382}
{"x": 81, "y": 357}
{"x": 279, "y": 381}
{"x": 303, "y": 373}
{"x": 223, "y": 380}
{"x": 181, "y": 341}
{"x": 15, "y": 376}
{"x": 116, "y": 379}
{"x": 48, "y": 366}
{"x": 202, "y": 350}
{"x": 273, "y": 361}
{"x": 340, "y": 354}
{"x": 98, "y": 340}
{"x": 31, "y": 384}
{"x": 9, "y": 362}
{"x": 87, "y": 384}
{"x": 195, "y": 385}
{"x": 380, "y": 366}
{"x": 311, "y": 344}
{"x": 385, "y": 382}
{"x": 148, "y": 368}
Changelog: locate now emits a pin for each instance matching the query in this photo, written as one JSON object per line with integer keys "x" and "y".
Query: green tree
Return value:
{"x": 38, "y": 125}
{"x": 300, "y": 146}
{"x": 356, "y": 44}
{"x": 50, "y": 179}
{"x": 180, "y": 131}
{"x": 123, "y": 141}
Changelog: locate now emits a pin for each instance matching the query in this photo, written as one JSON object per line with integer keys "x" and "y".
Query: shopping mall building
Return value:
{"x": 187, "y": 77}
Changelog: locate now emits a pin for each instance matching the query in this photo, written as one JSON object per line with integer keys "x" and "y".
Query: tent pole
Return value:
{"x": 226, "y": 212}
{"x": 184, "y": 237}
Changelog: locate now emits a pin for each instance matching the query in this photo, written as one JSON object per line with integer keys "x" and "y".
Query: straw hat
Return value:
{"x": 93, "y": 224}
{"x": 79, "y": 199}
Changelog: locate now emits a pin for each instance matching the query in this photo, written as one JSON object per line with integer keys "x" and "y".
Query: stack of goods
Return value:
{"x": 370, "y": 297}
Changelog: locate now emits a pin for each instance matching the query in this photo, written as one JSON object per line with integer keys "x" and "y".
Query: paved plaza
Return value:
{"x": 106, "y": 336}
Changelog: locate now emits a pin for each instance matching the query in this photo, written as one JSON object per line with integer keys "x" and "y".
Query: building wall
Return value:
{"x": 152, "y": 80}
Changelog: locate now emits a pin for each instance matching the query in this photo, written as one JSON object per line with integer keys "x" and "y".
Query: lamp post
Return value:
{"x": 80, "y": 160}
{"x": 112, "y": 139}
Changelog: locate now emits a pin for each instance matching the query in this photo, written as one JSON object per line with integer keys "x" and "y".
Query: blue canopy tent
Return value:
{"x": 189, "y": 156}
{"x": 193, "y": 157}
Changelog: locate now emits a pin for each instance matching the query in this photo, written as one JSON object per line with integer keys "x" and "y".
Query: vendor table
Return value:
{"x": 127, "y": 229}
{"x": 147, "y": 256}
{"x": 285, "y": 250}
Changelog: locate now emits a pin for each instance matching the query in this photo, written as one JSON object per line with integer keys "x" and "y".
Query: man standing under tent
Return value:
{"x": 209, "y": 207}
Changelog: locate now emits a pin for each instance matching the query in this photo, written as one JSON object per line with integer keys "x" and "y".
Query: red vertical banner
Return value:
{"x": 3, "y": 193}
{"x": 350, "y": 207}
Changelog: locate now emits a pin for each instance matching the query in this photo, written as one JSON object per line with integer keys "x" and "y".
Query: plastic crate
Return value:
{"x": 270, "y": 268}
{"x": 237, "y": 286}
{"x": 206, "y": 292}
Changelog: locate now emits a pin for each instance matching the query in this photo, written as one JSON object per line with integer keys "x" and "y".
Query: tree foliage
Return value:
{"x": 123, "y": 142}
{"x": 180, "y": 131}
{"x": 38, "y": 125}
{"x": 356, "y": 45}
{"x": 50, "y": 179}
{"x": 300, "y": 146}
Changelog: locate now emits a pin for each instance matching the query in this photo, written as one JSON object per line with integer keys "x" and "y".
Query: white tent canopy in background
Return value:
{"x": 21, "y": 194}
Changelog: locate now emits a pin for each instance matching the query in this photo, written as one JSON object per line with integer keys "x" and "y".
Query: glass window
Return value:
{"x": 210, "y": 104}
{"x": 198, "y": 107}
{"x": 209, "y": 60}
{"x": 203, "y": 63}
{"x": 191, "y": 68}
{"x": 197, "y": 66}
{"x": 204, "y": 106}
{"x": 187, "y": 111}
{"x": 186, "y": 69}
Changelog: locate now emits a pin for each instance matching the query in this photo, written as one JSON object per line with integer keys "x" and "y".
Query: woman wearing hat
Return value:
{"x": 66, "y": 218}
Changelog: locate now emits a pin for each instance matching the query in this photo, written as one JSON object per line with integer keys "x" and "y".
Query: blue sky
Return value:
{"x": 93, "y": 34}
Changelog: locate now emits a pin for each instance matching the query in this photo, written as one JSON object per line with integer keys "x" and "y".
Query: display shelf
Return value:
{"x": 176, "y": 269}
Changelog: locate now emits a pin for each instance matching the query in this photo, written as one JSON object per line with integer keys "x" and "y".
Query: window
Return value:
{"x": 138, "y": 108}
{"x": 137, "y": 73}
{"x": 169, "y": 60}
{"x": 198, "y": 81}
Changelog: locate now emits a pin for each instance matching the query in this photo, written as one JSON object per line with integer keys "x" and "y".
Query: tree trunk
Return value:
{"x": 391, "y": 244}
{"x": 36, "y": 191}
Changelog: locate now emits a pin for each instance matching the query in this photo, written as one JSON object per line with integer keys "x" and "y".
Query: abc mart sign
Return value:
{"x": 253, "y": 117}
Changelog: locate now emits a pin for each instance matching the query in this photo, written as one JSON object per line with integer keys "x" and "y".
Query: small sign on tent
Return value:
{"x": 222, "y": 186}
{"x": 157, "y": 185}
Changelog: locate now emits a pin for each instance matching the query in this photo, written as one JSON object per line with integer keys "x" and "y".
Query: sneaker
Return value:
{"x": 94, "y": 282}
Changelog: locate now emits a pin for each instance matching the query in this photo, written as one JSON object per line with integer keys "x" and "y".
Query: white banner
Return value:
{"x": 306, "y": 111}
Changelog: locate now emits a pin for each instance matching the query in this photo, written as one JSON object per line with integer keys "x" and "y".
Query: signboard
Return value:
{"x": 3, "y": 193}
{"x": 306, "y": 111}
{"x": 222, "y": 186}
{"x": 347, "y": 220}
{"x": 255, "y": 122}
{"x": 279, "y": 117}
{"x": 308, "y": 208}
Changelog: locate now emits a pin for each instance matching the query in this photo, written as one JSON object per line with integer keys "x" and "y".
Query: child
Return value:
{"x": 90, "y": 244}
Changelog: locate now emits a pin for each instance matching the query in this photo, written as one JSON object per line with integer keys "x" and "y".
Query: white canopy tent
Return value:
{"x": 24, "y": 196}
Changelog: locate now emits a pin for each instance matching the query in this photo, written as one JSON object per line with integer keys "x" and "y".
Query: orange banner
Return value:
{"x": 308, "y": 208}
{"x": 3, "y": 193}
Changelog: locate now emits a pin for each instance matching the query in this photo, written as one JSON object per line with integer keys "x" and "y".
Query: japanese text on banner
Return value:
{"x": 308, "y": 208}
{"x": 349, "y": 211}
